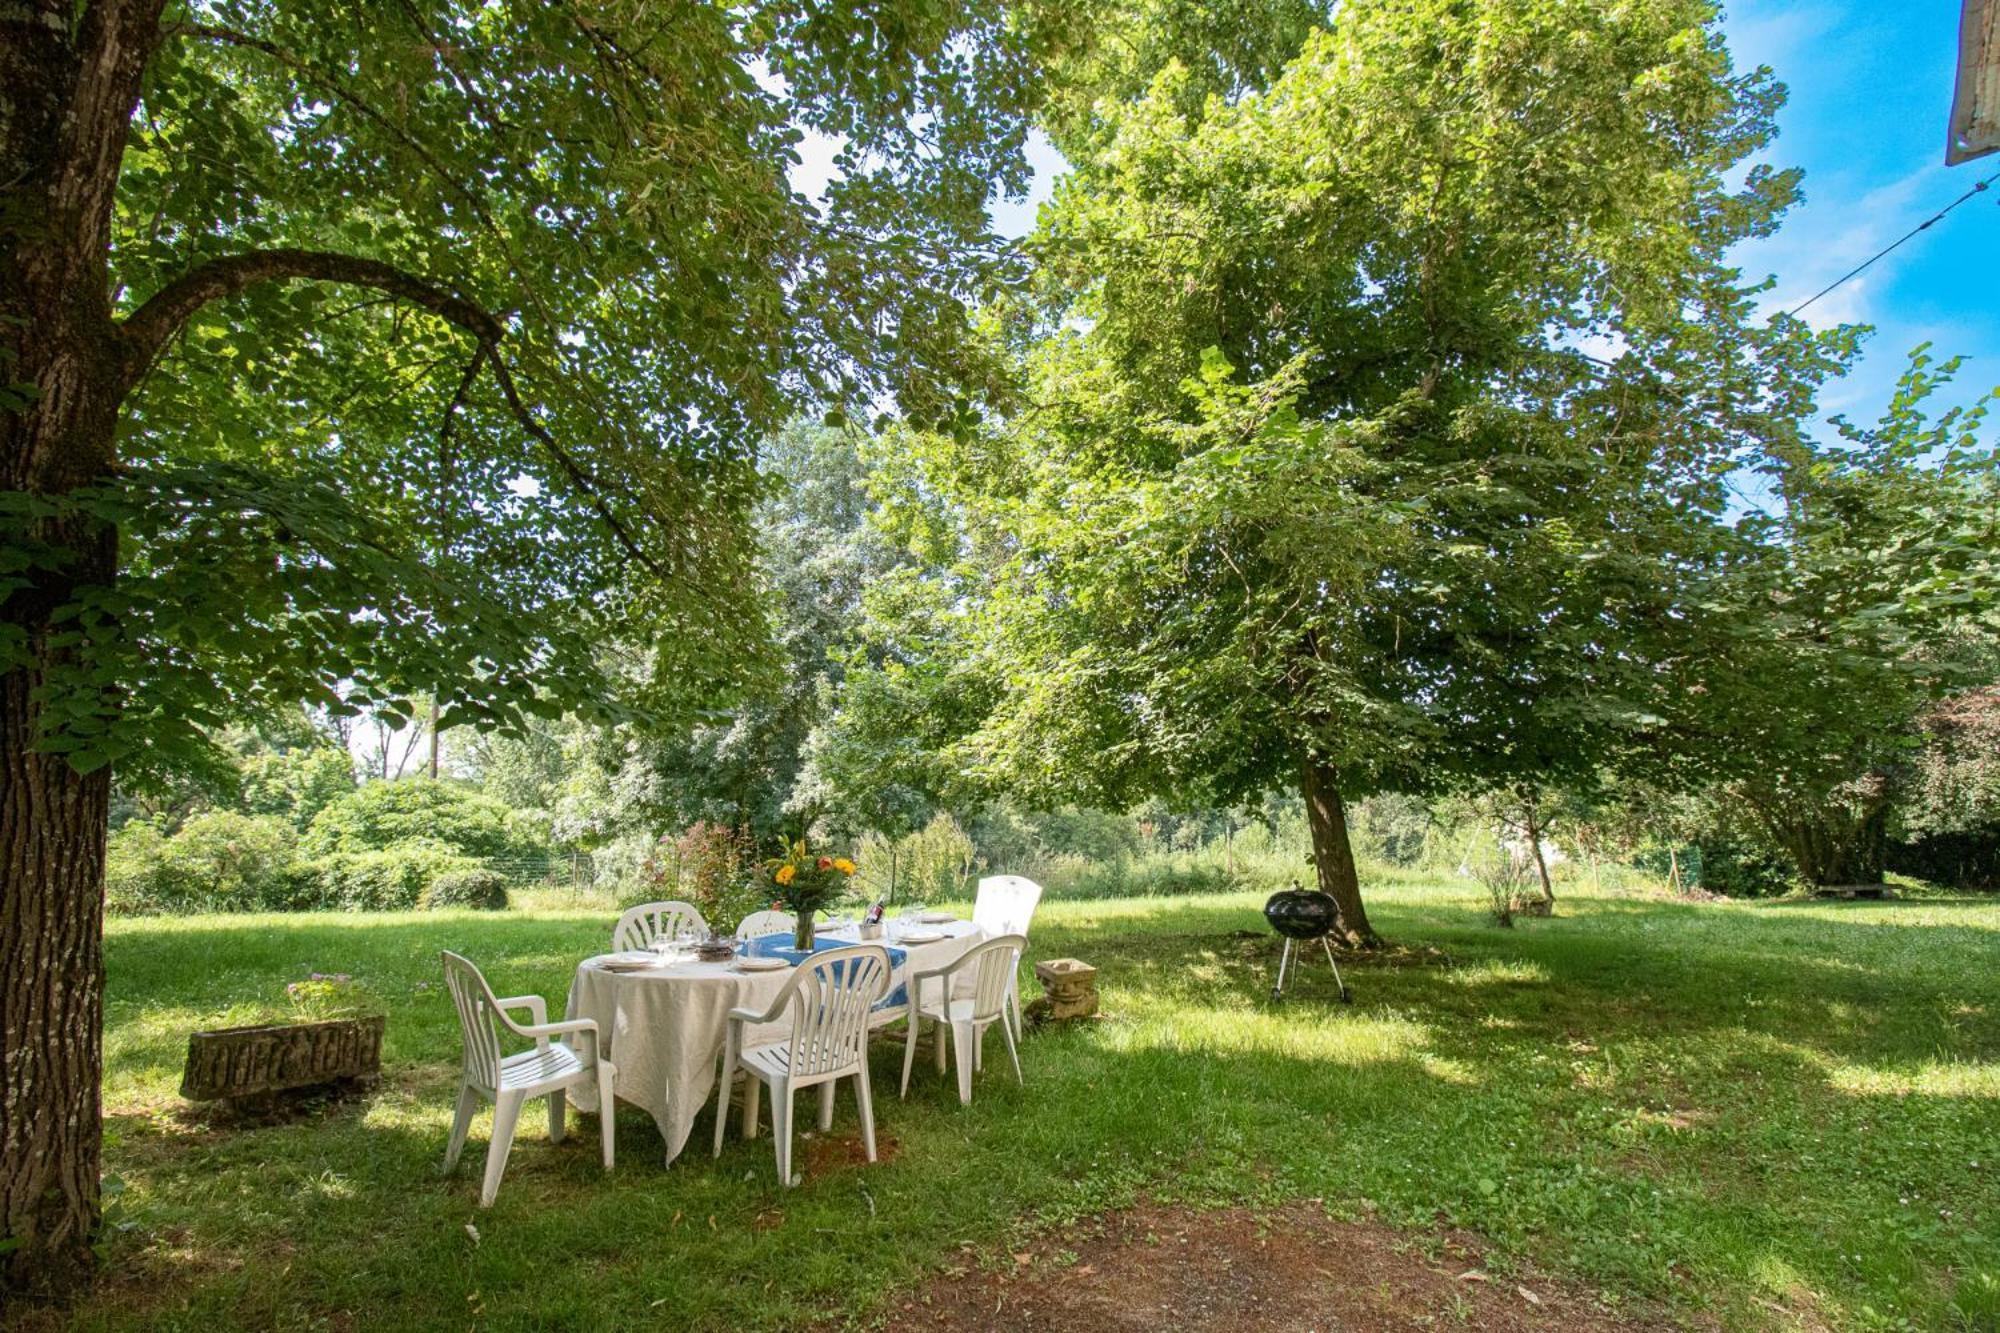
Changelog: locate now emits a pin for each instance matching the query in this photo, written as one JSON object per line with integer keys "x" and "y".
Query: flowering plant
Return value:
{"x": 806, "y": 882}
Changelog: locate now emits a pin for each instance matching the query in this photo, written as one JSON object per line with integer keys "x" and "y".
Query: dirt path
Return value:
{"x": 1294, "y": 1270}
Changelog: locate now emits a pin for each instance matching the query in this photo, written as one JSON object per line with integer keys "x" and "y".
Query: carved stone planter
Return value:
{"x": 1069, "y": 988}
{"x": 234, "y": 1064}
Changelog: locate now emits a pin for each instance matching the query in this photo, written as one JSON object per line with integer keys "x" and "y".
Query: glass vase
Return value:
{"x": 802, "y": 933}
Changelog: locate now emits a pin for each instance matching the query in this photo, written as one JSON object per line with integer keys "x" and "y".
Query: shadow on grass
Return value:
{"x": 1638, "y": 1092}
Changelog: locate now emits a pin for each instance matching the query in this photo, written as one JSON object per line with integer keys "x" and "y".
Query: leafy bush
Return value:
{"x": 485, "y": 890}
{"x": 219, "y": 861}
{"x": 1094, "y": 834}
{"x": 323, "y": 996}
{"x": 297, "y": 784}
{"x": 382, "y": 815}
{"x": 934, "y": 862}
{"x": 392, "y": 879}
{"x": 710, "y": 865}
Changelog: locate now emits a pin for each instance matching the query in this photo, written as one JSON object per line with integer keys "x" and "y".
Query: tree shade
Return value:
{"x": 354, "y": 351}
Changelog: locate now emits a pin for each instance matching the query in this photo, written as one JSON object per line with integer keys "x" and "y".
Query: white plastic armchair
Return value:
{"x": 770, "y": 922}
{"x": 549, "y": 1069}
{"x": 1006, "y": 906}
{"x": 641, "y": 925}
{"x": 992, "y": 966}
{"x": 828, "y": 996}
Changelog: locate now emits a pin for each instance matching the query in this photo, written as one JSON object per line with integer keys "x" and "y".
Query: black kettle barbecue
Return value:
{"x": 1299, "y": 915}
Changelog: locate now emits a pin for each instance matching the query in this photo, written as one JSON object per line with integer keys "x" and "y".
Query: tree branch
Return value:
{"x": 147, "y": 330}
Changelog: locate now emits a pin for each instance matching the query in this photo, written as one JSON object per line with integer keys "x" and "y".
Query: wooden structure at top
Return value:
{"x": 1975, "y": 110}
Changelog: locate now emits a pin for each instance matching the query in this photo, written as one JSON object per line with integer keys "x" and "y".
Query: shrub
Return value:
{"x": 393, "y": 879}
{"x": 935, "y": 861}
{"x": 137, "y": 877}
{"x": 219, "y": 861}
{"x": 485, "y": 890}
{"x": 1961, "y": 859}
{"x": 1504, "y": 877}
{"x": 383, "y": 815}
{"x": 710, "y": 865}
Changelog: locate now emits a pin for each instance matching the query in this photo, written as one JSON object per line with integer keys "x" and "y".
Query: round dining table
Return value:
{"x": 663, "y": 1022}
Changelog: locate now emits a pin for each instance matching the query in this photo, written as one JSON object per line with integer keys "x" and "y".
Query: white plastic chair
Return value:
{"x": 548, "y": 1070}
{"x": 1005, "y": 906}
{"x": 992, "y": 965}
{"x": 770, "y": 922}
{"x": 641, "y": 925}
{"x": 829, "y": 996}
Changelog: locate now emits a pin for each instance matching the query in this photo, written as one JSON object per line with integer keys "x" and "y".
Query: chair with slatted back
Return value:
{"x": 1006, "y": 905}
{"x": 772, "y": 922}
{"x": 641, "y": 925}
{"x": 828, "y": 998}
{"x": 933, "y": 995}
{"x": 548, "y": 1069}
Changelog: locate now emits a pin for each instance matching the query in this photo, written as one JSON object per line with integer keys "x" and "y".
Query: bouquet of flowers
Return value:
{"x": 806, "y": 883}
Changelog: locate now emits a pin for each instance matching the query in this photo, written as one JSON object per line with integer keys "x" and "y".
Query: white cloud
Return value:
{"x": 1830, "y": 235}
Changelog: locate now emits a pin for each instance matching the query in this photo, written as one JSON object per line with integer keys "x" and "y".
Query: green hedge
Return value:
{"x": 390, "y": 880}
{"x": 485, "y": 890}
{"x": 227, "y": 862}
{"x": 218, "y": 862}
{"x": 379, "y": 816}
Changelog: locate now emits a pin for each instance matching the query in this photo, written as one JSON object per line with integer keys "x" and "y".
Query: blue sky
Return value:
{"x": 1871, "y": 84}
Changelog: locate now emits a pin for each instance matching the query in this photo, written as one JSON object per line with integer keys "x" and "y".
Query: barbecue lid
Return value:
{"x": 1303, "y": 914}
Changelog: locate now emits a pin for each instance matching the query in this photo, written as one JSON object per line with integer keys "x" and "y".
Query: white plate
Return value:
{"x": 922, "y": 937}
{"x": 934, "y": 918}
{"x": 760, "y": 964}
{"x": 644, "y": 963}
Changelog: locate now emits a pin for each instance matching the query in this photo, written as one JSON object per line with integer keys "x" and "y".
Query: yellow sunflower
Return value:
{"x": 785, "y": 873}
{"x": 844, "y": 866}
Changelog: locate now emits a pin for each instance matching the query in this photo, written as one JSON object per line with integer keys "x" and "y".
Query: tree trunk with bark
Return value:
{"x": 1532, "y": 821}
{"x": 1841, "y": 837}
{"x": 1333, "y": 853}
{"x": 69, "y": 80}
{"x": 70, "y": 76}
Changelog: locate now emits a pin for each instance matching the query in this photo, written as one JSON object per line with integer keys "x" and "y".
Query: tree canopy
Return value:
{"x": 1319, "y": 469}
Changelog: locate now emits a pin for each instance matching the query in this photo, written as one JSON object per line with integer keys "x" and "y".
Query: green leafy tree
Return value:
{"x": 379, "y": 815}
{"x": 1866, "y": 593}
{"x": 1317, "y": 484}
{"x": 296, "y": 784}
{"x": 421, "y": 346}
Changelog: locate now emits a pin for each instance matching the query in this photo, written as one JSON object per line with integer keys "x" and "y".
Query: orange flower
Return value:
{"x": 785, "y": 874}
{"x": 844, "y": 866}
{"x": 825, "y": 863}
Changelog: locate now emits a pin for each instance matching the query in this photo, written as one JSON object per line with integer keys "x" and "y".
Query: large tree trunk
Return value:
{"x": 69, "y": 79}
{"x": 52, "y": 822}
{"x": 1333, "y": 854}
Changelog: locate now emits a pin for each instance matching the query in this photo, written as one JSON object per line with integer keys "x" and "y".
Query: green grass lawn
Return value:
{"x": 1759, "y": 1114}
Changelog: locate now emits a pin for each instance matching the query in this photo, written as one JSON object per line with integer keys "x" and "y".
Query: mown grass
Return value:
{"x": 1756, "y": 1114}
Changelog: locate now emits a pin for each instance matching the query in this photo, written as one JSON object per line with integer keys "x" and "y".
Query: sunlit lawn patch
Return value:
{"x": 1736, "y": 1109}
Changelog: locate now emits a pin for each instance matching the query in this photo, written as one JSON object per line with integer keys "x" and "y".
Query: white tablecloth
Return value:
{"x": 664, "y": 1027}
